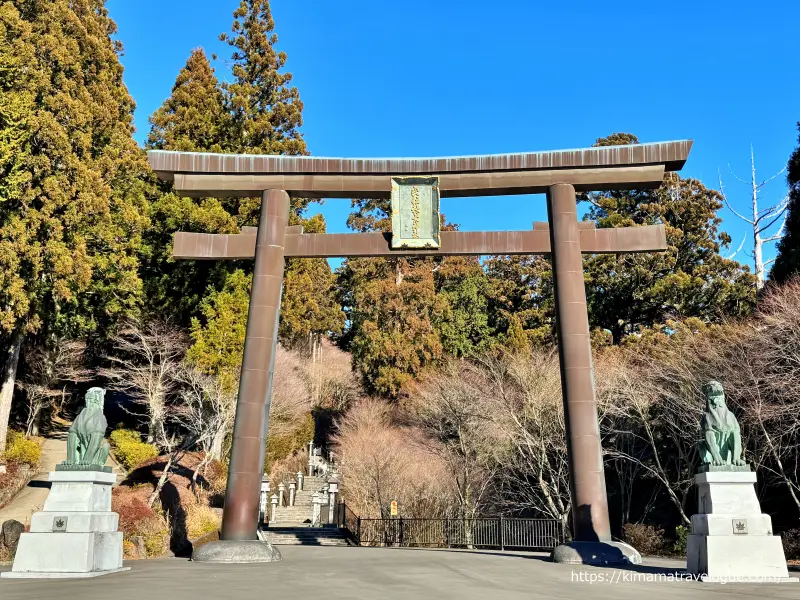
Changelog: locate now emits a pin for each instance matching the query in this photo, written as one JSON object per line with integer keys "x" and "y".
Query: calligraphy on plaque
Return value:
{"x": 415, "y": 212}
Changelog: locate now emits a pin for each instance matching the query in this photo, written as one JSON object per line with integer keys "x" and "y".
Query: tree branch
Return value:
{"x": 728, "y": 204}
{"x": 730, "y": 256}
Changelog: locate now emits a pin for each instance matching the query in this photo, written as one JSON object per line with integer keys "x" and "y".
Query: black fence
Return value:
{"x": 484, "y": 532}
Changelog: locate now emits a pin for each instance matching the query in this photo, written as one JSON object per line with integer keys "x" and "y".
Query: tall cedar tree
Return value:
{"x": 256, "y": 113}
{"x": 309, "y": 308}
{"x": 405, "y": 314}
{"x": 265, "y": 113}
{"x": 72, "y": 179}
{"x": 265, "y": 110}
{"x": 629, "y": 292}
{"x": 192, "y": 119}
{"x": 787, "y": 262}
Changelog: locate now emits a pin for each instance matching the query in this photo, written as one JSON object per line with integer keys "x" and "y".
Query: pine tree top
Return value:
{"x": 192, "y": 118}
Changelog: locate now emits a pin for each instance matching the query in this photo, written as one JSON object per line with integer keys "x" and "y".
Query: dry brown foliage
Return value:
{"x": 382, "y": 460}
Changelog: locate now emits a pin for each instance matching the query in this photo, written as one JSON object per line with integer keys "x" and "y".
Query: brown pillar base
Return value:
{"x": 237, "y": 552}
{"x": 596, "y": 553}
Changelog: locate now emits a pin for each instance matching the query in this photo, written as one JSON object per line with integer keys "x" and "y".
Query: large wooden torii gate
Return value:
{"x": 558, "y": 174}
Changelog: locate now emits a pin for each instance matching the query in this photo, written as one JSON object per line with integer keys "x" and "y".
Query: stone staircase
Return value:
{"x": 292, "y": 525}
{"x": 303, "y": 510}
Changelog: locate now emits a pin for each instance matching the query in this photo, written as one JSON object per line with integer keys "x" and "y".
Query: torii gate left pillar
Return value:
{"x": 258, "y": 364}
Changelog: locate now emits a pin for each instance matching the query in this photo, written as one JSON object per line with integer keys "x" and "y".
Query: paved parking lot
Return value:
{"x": 390, "y": 573}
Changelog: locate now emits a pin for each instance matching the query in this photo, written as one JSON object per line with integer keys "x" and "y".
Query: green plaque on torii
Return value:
{"x": 415, "y": 212}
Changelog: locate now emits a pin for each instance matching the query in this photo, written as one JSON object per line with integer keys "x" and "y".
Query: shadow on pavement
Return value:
{"x": 37, "y": 483}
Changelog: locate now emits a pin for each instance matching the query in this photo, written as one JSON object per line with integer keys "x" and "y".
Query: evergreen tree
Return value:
{"x": 629, "y": 292}
{"x": 264, "y": 116}
{"x": 192, "y": 119}
{"x": 266, "y": 111}
{"x": 787, "y": 262}
{"x": 465, "y": 289}
{"x": 309, "y": 308}
{"x": 391, "y": 307}
{"x": 219, "y": 337}
{"x": 404, "y": 314}
{"x": 393, "y": 310}
{"x": 521, "y": 297}
{"x": 72, "y": 179}
{"x": 202, "y": 115}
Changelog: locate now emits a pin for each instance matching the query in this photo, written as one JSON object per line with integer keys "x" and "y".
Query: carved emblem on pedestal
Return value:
{"x": 60, "y": 524}
{"x": 740, "y": 526}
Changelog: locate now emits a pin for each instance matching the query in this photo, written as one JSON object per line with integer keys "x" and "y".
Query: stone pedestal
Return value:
{"x": 731, "y": 539}
{"x": 76, "y": 533}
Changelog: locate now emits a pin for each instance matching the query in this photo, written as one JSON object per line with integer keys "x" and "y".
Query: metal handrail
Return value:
{"x": 480, "y": 532}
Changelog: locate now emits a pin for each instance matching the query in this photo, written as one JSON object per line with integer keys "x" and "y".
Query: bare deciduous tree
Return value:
{"x": 144, "y": 365}
{"x": 654, "y": 405}
{"x": 762, "y": 219}
{"x": 383, "y": 461}
{"x": 205, "y": 410}
{"x": 50, "y": 370}
{"x": 524, "y": 394}
{"x": 450, "y": 411}
{"x": 763, "y": 366}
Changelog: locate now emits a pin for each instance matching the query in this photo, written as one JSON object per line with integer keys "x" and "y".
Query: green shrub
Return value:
{"x": 129, "y": 550}
{"x": 155, "y": 533}
{"x": 22, "y": 450}
{"x": 120, "y": 436}
{"x": 129, "y": 449}
{"x": 681, "y": 535}
{"x": 216, "y": 475}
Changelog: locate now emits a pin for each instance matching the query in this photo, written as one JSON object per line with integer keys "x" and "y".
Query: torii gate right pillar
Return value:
{"x": 587, "y": 481}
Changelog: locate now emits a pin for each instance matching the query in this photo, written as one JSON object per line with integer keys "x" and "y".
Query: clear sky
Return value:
{"x": 450, "y": 77}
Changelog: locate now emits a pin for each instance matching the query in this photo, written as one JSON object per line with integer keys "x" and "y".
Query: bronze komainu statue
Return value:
{"x": 86, "y": 445}
{"x": 721, "y": 445}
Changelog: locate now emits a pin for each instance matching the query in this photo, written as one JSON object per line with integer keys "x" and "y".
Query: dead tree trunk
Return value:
{"x": 761, "y": 221}
{"x": 9, "y": 376}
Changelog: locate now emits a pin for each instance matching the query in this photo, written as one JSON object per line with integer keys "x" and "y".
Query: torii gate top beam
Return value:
{"x": 587, "y": 169}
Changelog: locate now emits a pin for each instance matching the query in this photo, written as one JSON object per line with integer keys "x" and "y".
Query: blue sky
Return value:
{"x": 448, "y": 77}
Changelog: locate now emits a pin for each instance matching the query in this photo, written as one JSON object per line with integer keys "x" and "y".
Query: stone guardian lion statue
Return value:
{"x": 722, "y": 439}
{"x": 86, "y": 445}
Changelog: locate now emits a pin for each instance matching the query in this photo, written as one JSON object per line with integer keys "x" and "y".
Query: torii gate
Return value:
{"x": 558, "y": 174}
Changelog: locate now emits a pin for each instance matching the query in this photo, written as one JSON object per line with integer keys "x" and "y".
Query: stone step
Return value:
{"x": 307, "y": 536}
{"x": 294, "y": 511}
{"x": 290, "y": 541}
